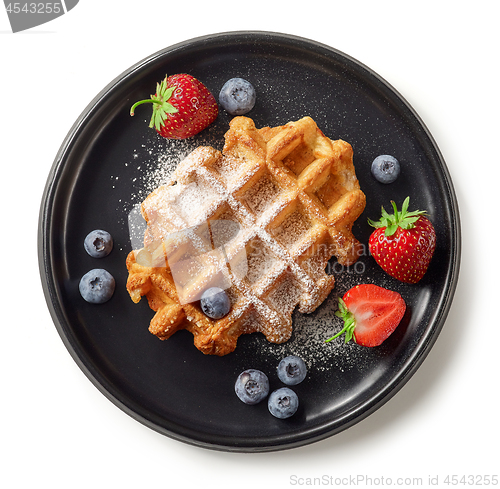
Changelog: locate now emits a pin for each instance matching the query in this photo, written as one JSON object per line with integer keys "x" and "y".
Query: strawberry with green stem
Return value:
{"x": 182, "y": 107}
{"x": 370, "y": 313}
{"x": 403, "y": 243}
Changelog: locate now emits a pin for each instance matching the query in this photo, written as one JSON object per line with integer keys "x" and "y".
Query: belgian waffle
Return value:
{"x": 292, "y": 195}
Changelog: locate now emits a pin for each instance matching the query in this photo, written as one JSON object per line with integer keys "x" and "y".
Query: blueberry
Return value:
{"x": 237, "y": 96}
{"x": 98, "y": 243}
{"x": 292, "y": 370}
{"x": 385, "y": 168}
{"x": 283, "y": 403}
{"x": 215, "y": 303}
{"x": 97, "y": 286}
{"x": 252, "y": 386}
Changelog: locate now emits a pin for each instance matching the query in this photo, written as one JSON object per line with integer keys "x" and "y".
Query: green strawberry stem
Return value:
{"x": 349, "y": 323}
{"x": 400, "y": 219}
{"x": 161, "y": 106}
{"x": 147, "y": 101}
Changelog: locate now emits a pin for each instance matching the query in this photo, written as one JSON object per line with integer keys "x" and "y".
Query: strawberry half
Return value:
{"x": 370, "y": 313}
{"x": 182, "y": 107}
{"x": 403, "y": 243}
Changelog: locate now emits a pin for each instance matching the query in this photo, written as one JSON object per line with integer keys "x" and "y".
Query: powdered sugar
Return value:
{"x": 151, "y": 165}
{"x": 157, "y": 158}
{"x": 228, "y": 169}
{"x": 261, "y": 195}
{"x": 195, "y": 195}
{"x": 260, "y": 261}
{"x": 292, "y": 229}
{"x": 286, "y": 295}
{"x": 310, "y": 331}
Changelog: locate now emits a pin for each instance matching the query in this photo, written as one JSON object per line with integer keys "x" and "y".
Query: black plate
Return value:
{"x": 103, "y": 169}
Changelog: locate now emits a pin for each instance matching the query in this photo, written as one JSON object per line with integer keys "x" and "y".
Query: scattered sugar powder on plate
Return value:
{"x": 158, "y": 157}
{"x": 310, "y": 331}
{"x": 150, "y": 166}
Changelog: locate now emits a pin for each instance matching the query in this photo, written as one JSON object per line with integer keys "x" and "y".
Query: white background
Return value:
{"x": 56, "y": 427}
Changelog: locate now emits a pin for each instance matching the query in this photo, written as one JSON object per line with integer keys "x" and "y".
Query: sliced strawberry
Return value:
{"x": 370, "y": 313}
{"x": 182, "y": 107}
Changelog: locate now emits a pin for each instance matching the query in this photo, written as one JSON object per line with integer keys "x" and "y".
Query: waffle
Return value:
{"x": 260, "y": 220}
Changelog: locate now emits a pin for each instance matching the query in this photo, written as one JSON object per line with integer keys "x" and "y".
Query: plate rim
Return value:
{"x": 326, "y": 430}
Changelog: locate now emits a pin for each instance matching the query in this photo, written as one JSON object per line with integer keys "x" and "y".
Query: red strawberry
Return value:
{"x": 370, "y": 313}
{"x": 403, "y": 243}
{"x": 182, "y": 107}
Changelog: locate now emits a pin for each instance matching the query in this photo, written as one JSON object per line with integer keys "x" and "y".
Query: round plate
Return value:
{"x": 110, "y": 161}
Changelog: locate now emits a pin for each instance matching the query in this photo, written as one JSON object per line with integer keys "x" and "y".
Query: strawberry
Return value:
{"x": 370, "y": 313}
{"x": 182, "y": 107}
{"x": 403, "y": 243}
